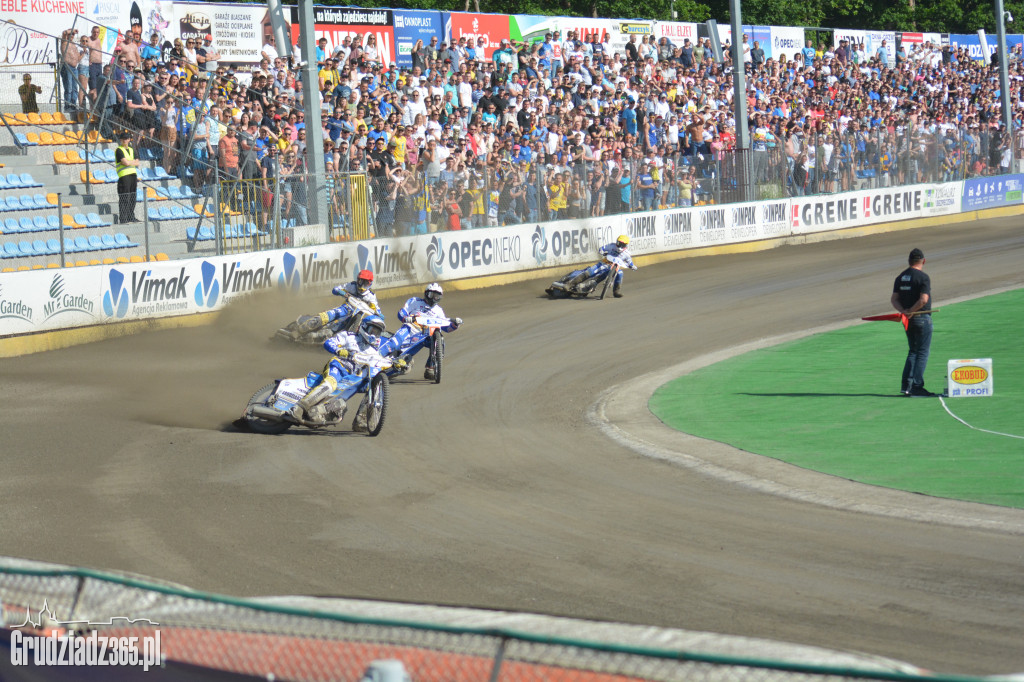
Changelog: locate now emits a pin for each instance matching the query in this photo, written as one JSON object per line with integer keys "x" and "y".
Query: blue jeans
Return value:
{"x": 919, "y": 342}
{"x": 69, "y": 83}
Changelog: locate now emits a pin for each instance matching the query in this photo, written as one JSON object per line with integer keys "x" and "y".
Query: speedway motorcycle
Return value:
{"x": 307, "y": 332}
{"x": 269, "y": 409}
{"x": 577, "y": 285}
{"x": 426, "y": 331}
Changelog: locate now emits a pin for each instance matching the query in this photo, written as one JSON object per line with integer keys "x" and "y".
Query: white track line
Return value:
{"x": 976, "y": 428}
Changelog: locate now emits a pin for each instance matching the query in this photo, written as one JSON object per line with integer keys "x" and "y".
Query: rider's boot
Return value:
{"x": 316, "y": 395}
{"x": 359, "y": 423}
{"x": 615, "y": 291}
{"x": 428, "y": 373}
{"x": 573, "y": 281}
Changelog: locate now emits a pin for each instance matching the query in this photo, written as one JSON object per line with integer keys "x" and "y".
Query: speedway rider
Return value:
{"x": 343, "y": 345}
{"x": 429, "y": 305}
{"x": 358, "y": 289}
{"x": 619, "y": 248}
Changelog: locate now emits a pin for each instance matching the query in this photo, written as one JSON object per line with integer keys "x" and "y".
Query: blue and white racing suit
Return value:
{"x": 336, "y": 367}
{"x": 413, "y": 307}
{"x": 340, "y": 313}
{"x": 611, "y": 250}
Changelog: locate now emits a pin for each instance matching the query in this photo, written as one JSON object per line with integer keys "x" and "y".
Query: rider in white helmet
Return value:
{"x": 342, "y": 346}
{"x": 429, "y": 304}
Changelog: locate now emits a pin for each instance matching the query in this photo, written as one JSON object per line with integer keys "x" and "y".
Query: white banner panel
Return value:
{"x": 786, "y": 40}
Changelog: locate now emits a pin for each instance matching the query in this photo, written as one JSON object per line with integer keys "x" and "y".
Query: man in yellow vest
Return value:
{"x": 125, "y": 164}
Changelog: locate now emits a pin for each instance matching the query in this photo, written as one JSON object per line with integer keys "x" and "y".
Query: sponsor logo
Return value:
{"x": 146, "y": 294}
{"x": 679, "y": 229}
{"x": 412, "y": 22}
{"x": 712, "y": 225}
{"x": 48, "y": 641}
{"x": 539, "y": 242}
{"x": 63, "y": 302}
{"x": 827, "y": 212}
{"x": 435, "y": 256}
{"x": 481, "y": 252}
{"x": 582, "y": 241}
{"x": 780, "y": 43}
{"x": 208, "y": 289}
{"x": 316, "y": 269}
{"x": 970, "y": 374}
{"x": 635, "y": 28}
{"x": 289, "y": 277}
{"x": 14, "y": 309}
{"x": 330, "y": 15}
{"x": 642, "y": 233}
{"x": 774, "y": 219}
{"x": 194, "y": 25}
{"x": 388, "y": 267}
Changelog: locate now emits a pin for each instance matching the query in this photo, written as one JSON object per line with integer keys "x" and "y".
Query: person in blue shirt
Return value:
{"x": 646, "y": 185}
{"x": 628, "y": 117}
{"x": 883, "y": 54}
{"x": 151, "y": 50}
{"x": 808, "y": 53}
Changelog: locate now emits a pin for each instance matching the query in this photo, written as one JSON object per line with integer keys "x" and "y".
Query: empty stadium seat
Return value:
{"x": 81, "y": 220}
{"x": 94, "y": 220}
{"x": 145, "y": 174}
{"x": 91, "y": 179}
{"x": 52, "y": 222}
{"x": 111, "y": 175}
{"x": 137, "y": 259}
{"x": 165, "y": 213}
{"x": 53, "y": 246}
{"x": 51, "y": 199}
{"x": 108, "y": 155}
{"x": 205, "y": 233}
{"x": 26, "y": 249}
{"x": 95, "y": 243}
{"x": 82, "y": 244}
{"x": 46, "y": 118}
{"x": 60, "y": 157}
{"x": 163, "y": 192}
{"x": 73, "y": 156}
{"x": 26, "y": 225}
{"x": 34, "y": 119}
{"x": 11, "y": 226}
{"x": 108, "y": 242}
{"x": 69, "y": 245}
{"x": 153, "y": 213}
{"x": 13, "y": 204}
{"x": 109, "y": 261}
{"x": 95, "y": 157}
{"x": 40, "y": 247}
{"x": 13, "y": 181}
{"x": 40, "y": 223}
{"x": 177, "y": 213}
{"x": 175, "y": 193}
{"x": 25, "y": 140}
{"x": 162, "y": 174}
{"x": 122, "y": 240}
{"x": 34, "y": 201}
{"x": 162, "y": 257}
{"x": 11, "y": 250}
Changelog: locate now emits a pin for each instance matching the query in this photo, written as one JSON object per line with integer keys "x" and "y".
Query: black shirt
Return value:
{"x": 910, "y": 284}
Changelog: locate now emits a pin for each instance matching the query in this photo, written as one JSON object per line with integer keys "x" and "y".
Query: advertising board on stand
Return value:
{"x": 413, "y": 25}
{"x": 337, "y": 23}
{"x": 784, "y": 40}
{"x": 493, "y": 28}
{"x": 237, "y": 30}
{"x": 676, "y": 31}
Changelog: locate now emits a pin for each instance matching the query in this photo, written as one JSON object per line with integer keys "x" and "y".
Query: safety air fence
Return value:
{"x": 49, "y": 299}
{"x": 181, "y": 634}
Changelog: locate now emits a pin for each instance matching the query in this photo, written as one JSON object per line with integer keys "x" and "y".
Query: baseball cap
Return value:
{"x": 916, "y": 254}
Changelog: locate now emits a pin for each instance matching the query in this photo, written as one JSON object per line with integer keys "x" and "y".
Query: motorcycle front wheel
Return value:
{"x": 437, "y": 354}
{"x": 264, "y": 426}
{"x": 377, "y": 404}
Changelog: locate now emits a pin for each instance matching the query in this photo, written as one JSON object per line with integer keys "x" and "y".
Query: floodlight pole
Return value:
{"x": 317, "y": 186}
{"x": 739, "y": 80}
{"x": 1004, "y": 77}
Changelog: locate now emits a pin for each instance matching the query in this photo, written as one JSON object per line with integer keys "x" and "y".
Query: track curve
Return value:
{"x": 493, "y": 489}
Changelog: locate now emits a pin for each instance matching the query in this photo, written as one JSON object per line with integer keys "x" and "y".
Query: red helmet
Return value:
{"x": 363, "y": 281}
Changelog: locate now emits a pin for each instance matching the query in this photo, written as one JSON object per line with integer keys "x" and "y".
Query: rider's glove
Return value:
{"x": 632, "y": 267}
{"x": 341, "y": 353}
{"x": 340, "y": 291}
{"x": 399, "y": 364}
{"x": 456, "y": 322}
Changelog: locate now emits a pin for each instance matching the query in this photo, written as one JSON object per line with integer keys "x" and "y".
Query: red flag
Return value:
{"x": 893, "y": 317}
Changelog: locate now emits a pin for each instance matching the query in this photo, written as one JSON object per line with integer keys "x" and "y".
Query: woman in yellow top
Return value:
{"x": 684, "y": 183}
{"x": 478, "y": 210}
{"x": 557, "y": 197}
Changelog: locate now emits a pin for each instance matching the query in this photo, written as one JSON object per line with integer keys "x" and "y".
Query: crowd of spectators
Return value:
{"x": 561, "y": 128}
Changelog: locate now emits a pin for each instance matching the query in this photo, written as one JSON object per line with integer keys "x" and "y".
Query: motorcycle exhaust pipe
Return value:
{"x": 264, "y": 412}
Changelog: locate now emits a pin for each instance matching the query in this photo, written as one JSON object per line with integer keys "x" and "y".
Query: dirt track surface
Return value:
{"x": 492, "y": 489}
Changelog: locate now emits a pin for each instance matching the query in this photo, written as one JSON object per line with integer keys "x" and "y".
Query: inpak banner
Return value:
{"x": 493, "y": 28}
{"x": 990, "y": 192}
{"x": 785, "y": 40}
{"x": 337, "y": 23}
{"x": 872, "y": 41}
{"x": 413, "y": 25}
{"x": 677, "y": 32}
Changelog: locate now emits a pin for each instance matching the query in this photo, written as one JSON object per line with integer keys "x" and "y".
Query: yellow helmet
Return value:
{"x": 622, "y": 241}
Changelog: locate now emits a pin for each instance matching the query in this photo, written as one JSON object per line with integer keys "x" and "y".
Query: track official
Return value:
{"x": 912, "y": 296}
{"x": 125, "y": 164}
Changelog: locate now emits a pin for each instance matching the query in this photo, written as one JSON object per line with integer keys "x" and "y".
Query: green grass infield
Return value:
{"x": 831, "y": 403}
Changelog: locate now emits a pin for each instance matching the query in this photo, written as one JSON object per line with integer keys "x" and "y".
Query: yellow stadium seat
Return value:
{"x": 70, "y": 222}
{"x": 34, "y": 119}
{"x": 51, "y": 199}
{"x": 22, "y": 119}
{"x": 95, "y": 261}
{"x": 122, "y": 260}
{"x": 162, "y": 257}
{"x": 7, "y": 270}
{"x": 50, "y": 266}
{"x": 137, "y": 259}
{"x": 33, "y": 138}
{"x": 46, "y": 137}
{"x": 46, "y": 118}
{"x": 199, "y": 209}
{"x": 152, "y": 195}
{"x": 60, "y": 157}
{"x": 61, "y": 118}
{"x": 109, "y": 261}
{"x": 73, "y": 156}
{"x": 92, "y": 179}
{"x": 81, "y": 263}
{"x": 23, "y": 268}
{"x": 62, "y": 139}
{"x": 94, "y": 137}
{"x": 38, "y": 266}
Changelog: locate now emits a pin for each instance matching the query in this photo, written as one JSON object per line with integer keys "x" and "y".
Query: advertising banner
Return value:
{"x": 1003, "y": 190}
{"x": 972, "y": 42}
{"x": 785, "y": 40}
{"x": 614, "y": 33}
{"x": 677, "y": 32}
{"x": 47, "y": 299}
{"x": 530, "y": 28}
{"x": 337, "y": 23}
{"x": 413, "y": 25}
{"x": 908, "y": 40}
{"x": 237, "y": 30}
{"x": 864, "y": 207}
{"x": 872, "y": 40}
{"x": 493, "y": 28}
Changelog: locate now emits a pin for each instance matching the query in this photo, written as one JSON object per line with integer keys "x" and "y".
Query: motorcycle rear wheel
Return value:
{"x": 377, "y": 404}
{"x": 264, "y": 426}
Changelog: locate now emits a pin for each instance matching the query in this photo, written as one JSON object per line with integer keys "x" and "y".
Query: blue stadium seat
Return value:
{"x": 41, "y": 248}
{"x": 41, "y": 201}
{"x": 52, "y": 222}
{"x": 190, "y": 233}
{"x": 109, "y": 243}
{"x": 205, "y": 233}
{"x": 162, "y": 174}
{"x": 13, "y": 204}
{"x": 26, "y": 249}
{"x": 26, "y": 224}
{"x": 175, "y": 193}
{"x": 95, "y": 157}
{"x": 187, "y": 193}
{"x": 69, "y": 245}
{"x": 11, "y": 226}
{"x": 122, "y": 240}
{"x": 145, "y": 174}
{"x": 40, "y": 223}
{"x": 53, "y": 246}
{"x": 153, "y": 213}
{"x": 165, "y": 213}
{"x": 177, "y": 213}
{"x": 108, "y": 155}
{"x": 27, "y": 202}
{"x": 80, "y": 219}
{"x": 28, "y": 181}
{"x": 163, "y": 192}
{"x": 82, "y": 244}
{"x": 23, "y": 139}
{"x": 95, "y": 243}
{"x": 96, "y": 221}
{"x": 138, "y": 194}
{"x": 110, "y": 175}
{"x": 11, "y": 250}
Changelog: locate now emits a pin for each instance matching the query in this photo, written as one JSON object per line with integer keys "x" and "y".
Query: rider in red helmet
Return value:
{"x": 359, "y": 288}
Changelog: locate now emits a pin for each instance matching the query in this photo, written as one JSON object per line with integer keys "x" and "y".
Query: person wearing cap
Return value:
{"x": 912, "y": 297}
{"x": 125, "y": 164}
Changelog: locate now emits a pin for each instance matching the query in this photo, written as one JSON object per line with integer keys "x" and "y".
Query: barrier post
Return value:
{"x": 60, "y": 228}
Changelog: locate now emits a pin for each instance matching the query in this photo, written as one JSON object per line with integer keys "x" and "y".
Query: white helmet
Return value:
{"x": 371, "y": 330}
{"x": 433, "y": 294}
